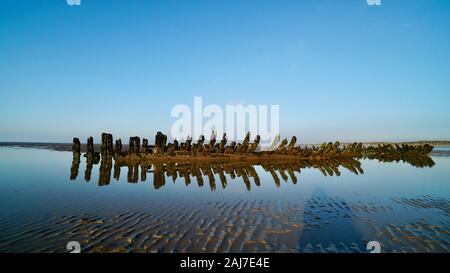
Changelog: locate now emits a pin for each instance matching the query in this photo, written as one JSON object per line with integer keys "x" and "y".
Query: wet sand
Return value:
{"x": 243, "y": 226}
{"x": 42, "y": 209}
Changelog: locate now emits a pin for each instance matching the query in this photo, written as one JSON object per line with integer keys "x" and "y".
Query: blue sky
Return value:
{"x": 340, "y": 70}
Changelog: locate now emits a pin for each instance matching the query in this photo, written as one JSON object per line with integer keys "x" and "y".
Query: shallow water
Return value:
{"x": 404, "y": 208}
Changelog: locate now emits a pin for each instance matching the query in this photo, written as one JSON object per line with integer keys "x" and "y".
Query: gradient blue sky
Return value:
{"x": 338, "y": 69}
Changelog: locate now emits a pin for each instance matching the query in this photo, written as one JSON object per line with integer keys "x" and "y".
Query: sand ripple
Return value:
{"x": 319, "y": 224}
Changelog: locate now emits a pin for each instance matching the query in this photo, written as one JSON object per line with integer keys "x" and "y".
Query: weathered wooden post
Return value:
{"x": 241, "y": 148}
{"x": 223, "y": 143}
{"x": 188, "y": 144}
{"x": 103, "y": 145}
{"x": 89, "y": 158}
{"x": 90, "y": 146}
{"x": 281, "y": 147}
{"x": 212, "y": 142}
{"x": 201, "y": 140}
{"x": 76, "y": 146}
{"x": 109, "y": 145}
{"x": 144, "y": 145}
{"x": 131, "y": 146}
{"x": 164, "y": 141}
{"x": 160, "y": 143}
{"x": 291, "y": 145}
{"x": 76, "y": 159}
{"x": 137, "y": 144}
{"x": 157, "y": 148}
{"x": 118, "y": 148}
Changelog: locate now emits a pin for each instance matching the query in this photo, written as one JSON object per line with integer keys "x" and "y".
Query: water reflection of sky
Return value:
{"x": 36, "y": 182}
{"x": 35, "y": 172}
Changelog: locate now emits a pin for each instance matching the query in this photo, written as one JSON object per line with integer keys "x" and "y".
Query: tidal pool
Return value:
{"x": 46, "y": 200}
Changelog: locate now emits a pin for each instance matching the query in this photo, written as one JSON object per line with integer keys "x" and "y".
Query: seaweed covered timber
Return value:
{"x": 220, "y": 151}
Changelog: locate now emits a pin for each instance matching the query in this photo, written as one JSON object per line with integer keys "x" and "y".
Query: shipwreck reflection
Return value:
{"x": 217, "y": 173}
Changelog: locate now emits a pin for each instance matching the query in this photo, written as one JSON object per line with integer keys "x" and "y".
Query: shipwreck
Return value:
{"x": 248, "y": 151}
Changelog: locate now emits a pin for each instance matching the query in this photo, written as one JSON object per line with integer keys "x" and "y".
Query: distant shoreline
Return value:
{"x": 67, "y": 147}
{"x": 436, "y": 143}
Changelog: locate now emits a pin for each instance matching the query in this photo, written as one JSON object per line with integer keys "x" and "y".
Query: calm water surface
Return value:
{"x": 405, "y": 208}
